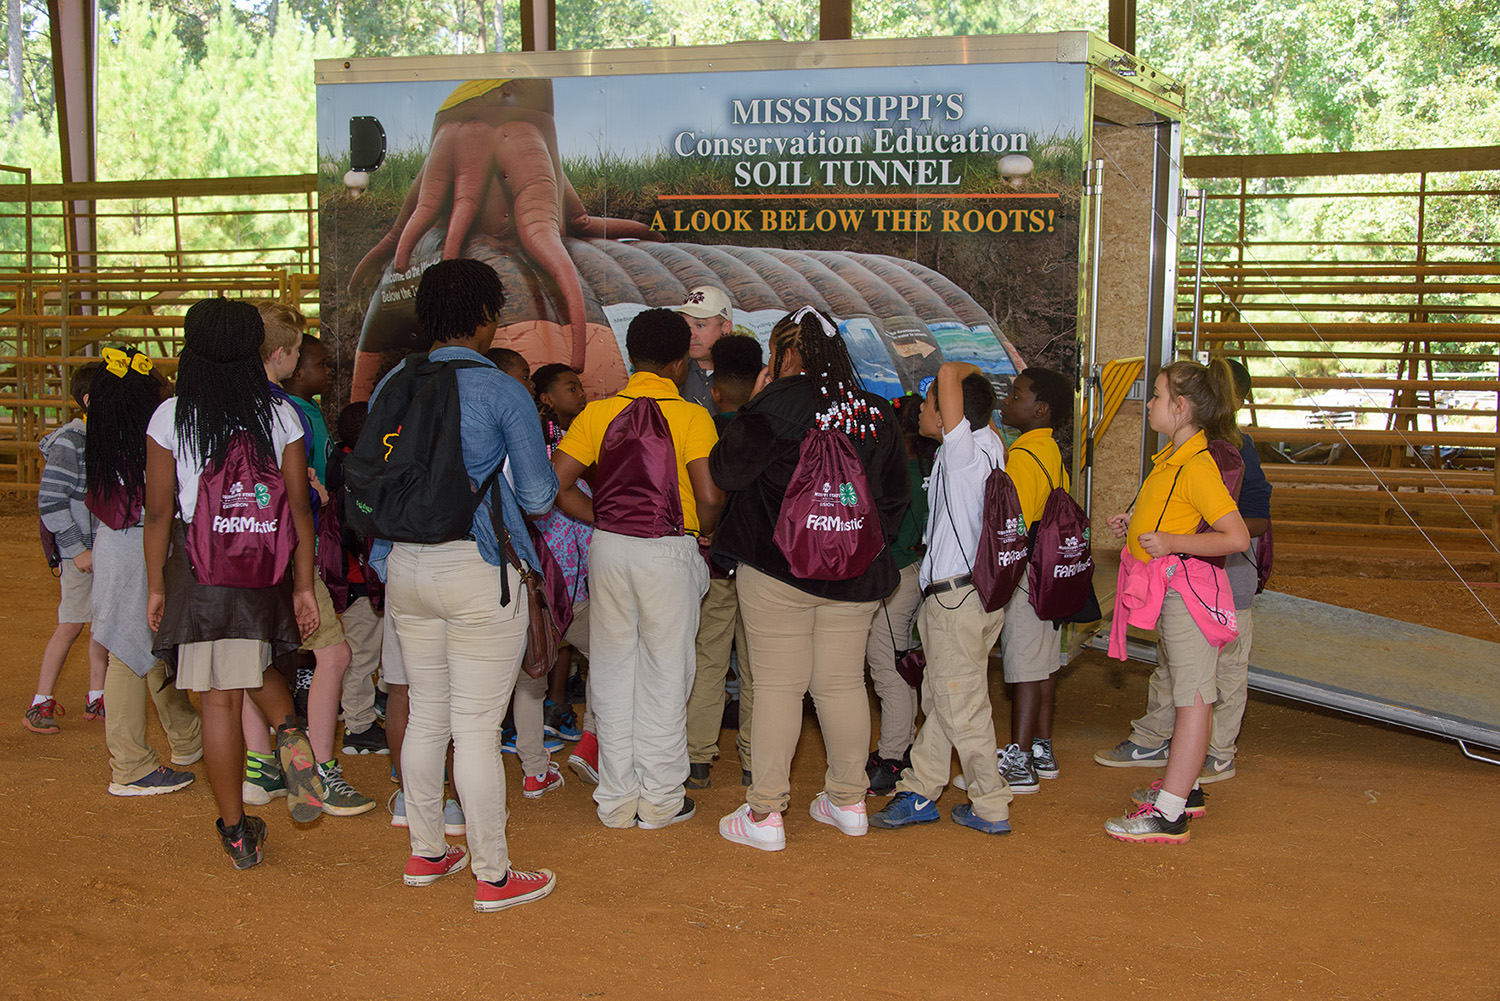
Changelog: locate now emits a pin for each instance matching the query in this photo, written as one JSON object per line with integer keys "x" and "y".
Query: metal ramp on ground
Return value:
{"x": 1371, "y": 666}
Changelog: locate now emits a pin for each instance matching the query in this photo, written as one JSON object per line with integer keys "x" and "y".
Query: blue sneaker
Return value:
{"x": 561, "y": 721}
{"x": 906, "y": 809}
{"x": 508, "y": 742}
{"x": 964, "y": 814}
{"x": 396, "y": 806}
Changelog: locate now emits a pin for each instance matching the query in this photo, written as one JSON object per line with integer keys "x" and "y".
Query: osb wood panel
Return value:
{"x": 1124, "y": 283}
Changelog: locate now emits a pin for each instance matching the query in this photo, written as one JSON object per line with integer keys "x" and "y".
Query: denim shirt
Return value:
{"x": 499, "y": 421}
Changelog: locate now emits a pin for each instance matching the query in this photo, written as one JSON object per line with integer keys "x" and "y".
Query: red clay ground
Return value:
{"x": 1347, "y": 860}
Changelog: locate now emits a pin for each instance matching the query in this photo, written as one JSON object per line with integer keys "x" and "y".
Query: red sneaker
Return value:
{"x": 93, "y": 709}
{"x": 518, "y": 888}
{"x": 585, "y": 758}
{"x": 421, "y": 871}
{"x": 40, "y": 718}
{"x": 539, "y": 785}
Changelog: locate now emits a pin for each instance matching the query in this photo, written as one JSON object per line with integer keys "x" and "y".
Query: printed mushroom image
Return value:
{"x": 1015, "y": 168}
{"x": 493, "y": 172}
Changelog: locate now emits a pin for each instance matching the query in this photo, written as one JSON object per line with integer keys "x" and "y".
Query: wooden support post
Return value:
{"x": 835, "y": 19}
{"x": 538, "y": 25}
{"x": 72, "y": 27}
{"x": 1122, "y": 24}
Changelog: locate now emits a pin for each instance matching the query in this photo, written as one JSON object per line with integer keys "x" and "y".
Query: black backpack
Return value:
{"x": 405, "y": 481}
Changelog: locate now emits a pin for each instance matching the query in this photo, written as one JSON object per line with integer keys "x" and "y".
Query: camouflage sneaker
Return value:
{"x": 300, "y": 772}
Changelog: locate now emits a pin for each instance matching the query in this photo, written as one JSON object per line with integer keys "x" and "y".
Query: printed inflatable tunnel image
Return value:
{"x": 901, "y": 320}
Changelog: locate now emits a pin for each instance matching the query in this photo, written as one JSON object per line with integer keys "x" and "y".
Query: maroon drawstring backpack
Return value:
{"x": 1060, "y": 573}
{"x": 827, "y": 527}
{"x": 242, "y": 533}
{"x": 328, "y": 555}
{"x": 1003, "y": 552}
{"x": 559, "y": 600}
{"x": 118, "y": 511}
{"x": 635, "y": 483}
{"x": 1232, "y": 470}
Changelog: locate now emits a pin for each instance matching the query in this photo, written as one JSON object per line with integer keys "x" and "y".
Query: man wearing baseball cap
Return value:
{"x": 709, "y": 314}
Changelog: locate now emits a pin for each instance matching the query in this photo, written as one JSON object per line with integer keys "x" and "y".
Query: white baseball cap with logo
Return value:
{"x": 705, "y": 301}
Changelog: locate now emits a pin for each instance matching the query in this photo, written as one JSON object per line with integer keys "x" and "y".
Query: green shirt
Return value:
{"x": 320, "y": 444}
{"x": 908, "y": 548}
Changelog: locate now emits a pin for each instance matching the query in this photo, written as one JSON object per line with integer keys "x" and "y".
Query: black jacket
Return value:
{"x": 754, "y": 461}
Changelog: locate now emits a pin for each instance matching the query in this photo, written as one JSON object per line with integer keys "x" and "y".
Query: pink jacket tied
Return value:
{"x": 1143, "y": 586}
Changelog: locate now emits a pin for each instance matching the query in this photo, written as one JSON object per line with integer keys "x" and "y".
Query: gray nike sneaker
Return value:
{"x": 1216, "y": 769}
{"x": 1129, "y": 754}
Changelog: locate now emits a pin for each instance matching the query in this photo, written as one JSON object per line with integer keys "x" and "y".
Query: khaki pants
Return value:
{"x": 125, "y": 697}
{"x": 527, "y": 707}
{"x": 462, "y": 652}
{"x": 890, "y": 636}
{"x": 957, "y": 636}
{"x": 803, "y": 644}
{"x": 643, "y": 618}
{"x": 720, "y": 626}
{"x": 362, "y": 629}
{"x": 1232, "y": 680}
{"x": 577, "y": 637}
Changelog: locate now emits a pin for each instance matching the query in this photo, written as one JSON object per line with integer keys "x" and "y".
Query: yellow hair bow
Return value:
{"x": 116, "y": 362}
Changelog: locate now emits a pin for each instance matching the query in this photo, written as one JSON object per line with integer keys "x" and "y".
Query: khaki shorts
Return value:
{"x": 330, "y": 631}
{"x": 77, "y": 603}
{"x": 1192, "y": 662}
{"x": 392, "y": 667}
{"x": 1030, "y": 648}
{"x": 222, "y": 664}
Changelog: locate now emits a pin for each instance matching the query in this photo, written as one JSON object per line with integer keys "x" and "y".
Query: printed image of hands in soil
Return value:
{"x": 992, "y": 280}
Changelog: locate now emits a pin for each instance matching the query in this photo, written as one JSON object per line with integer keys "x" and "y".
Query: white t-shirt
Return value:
{"x": 955, "y": 500}
{"x": 286, "y": 427}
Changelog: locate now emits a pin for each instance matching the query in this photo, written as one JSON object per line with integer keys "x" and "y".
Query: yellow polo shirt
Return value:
{"x": 692, "y": 427}
{"x": 1031, "y": 480}
{"x": 1199, "y": 493}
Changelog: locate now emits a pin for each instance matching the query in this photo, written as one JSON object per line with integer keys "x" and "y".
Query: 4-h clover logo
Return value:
{"x": 847, "y": 496}
{"x": 262, "y": 495}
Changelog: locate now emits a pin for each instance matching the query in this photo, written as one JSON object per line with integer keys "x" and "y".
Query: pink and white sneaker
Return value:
{"x": 768, "y": 835}
{"x": 852, "y": 820}
{"x": 536, "y": 786}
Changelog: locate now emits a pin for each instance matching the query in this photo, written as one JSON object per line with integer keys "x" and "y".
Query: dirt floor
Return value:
{"x": 1346, "y": 860}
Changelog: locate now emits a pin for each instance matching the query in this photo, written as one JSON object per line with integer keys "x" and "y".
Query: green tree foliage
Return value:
{"x": 193, "y": 88}
{"x": 244, "y": 108}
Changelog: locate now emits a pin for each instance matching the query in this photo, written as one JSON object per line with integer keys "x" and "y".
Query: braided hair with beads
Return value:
{"x": 120, "y": 407}
{"x": 825, "y": 360}
{"x": 222, "y": 389}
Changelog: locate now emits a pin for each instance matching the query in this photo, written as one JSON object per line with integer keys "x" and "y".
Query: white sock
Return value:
{"x": 37, "y": 700}
{"x": 95, "y": 694}
{"x": 1170, "y": 806}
